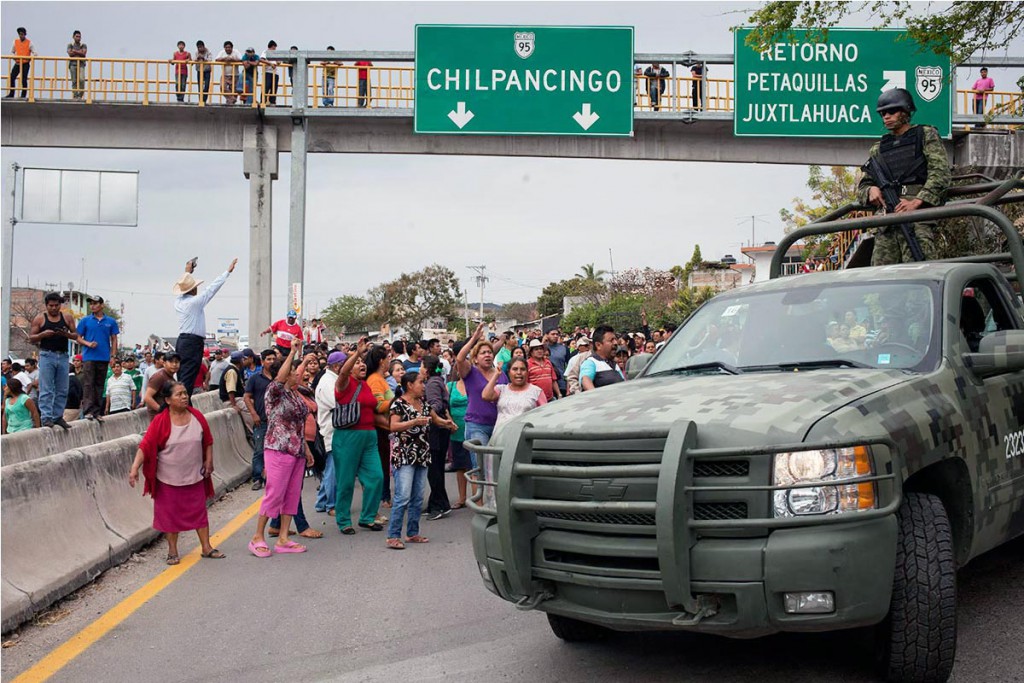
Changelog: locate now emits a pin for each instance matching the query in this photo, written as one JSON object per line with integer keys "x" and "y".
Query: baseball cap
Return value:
{"x": 336, "y": 357}
{"x": 95, "y": 300}
{"x": 236, "y": 356}
{"x": 583, "y": 341}
{"x": 248, "y": 353}
{"x": 78, "y": 356}
{"x": 535, "y": 343}
{"x": 292, "y": 314}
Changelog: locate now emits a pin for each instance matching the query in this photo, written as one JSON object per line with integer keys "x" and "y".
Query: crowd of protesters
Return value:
{"x": 394, "y": 416}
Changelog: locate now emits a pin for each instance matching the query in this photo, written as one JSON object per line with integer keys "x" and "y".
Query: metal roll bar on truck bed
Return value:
{"x": 998, "y": 192}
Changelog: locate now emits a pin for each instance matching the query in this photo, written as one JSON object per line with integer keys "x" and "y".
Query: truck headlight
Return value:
{"x": 826, "y": 465}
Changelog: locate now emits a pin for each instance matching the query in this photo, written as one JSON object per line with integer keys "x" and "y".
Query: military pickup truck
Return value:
{"x": 810, "y": 453}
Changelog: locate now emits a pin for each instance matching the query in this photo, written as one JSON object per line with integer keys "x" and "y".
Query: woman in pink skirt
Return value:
{"x": 285, "y": 456}
{"x": 176, "y": 457}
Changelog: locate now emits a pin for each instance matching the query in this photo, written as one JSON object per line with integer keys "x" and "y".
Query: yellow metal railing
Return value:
{"x": 155, "y": 81}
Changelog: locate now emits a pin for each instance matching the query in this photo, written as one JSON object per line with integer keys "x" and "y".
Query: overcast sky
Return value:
{"x": 372, "y": 217}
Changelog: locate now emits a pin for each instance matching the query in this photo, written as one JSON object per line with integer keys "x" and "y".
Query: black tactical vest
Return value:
{"x": 904, "y": 156}
{"x": 222, "y": 389}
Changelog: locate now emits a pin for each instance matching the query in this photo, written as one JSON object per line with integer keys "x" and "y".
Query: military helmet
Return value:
{"x": 896, "y": 98}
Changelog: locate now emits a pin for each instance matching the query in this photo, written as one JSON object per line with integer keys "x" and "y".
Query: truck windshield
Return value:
{"x": 888, "y": 325}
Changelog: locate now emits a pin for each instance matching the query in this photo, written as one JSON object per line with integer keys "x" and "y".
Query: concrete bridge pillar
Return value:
{"x": 259, "y": 164}
{"x": 993, "y": 153}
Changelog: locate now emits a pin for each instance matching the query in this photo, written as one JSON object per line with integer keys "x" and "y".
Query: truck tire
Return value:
{"x": 917, "y": 640}
{"x": 574, "y": 630}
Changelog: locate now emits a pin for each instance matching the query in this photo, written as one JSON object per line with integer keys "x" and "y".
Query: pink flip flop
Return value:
{"x": 289, "y": 547}
{"x": 255, "y": 549}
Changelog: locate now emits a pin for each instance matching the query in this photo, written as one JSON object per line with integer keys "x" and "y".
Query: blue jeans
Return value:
{"x": 53, "y": 385}
{"x": 478, "y": 432}
{"x": 326, "y": 493}
{"x": 328, "y": 99}
{"x": 407, "y": 497}
{"x": 259, "y": 433}
{"x": 300, "y": 520}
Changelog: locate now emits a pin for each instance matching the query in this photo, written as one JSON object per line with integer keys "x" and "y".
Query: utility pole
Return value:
{"x": 465, "y": 309}
{"x": 481, "y": 280}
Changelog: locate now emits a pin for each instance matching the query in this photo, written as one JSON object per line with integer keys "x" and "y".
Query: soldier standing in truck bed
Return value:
{"x": 919, "y": 169}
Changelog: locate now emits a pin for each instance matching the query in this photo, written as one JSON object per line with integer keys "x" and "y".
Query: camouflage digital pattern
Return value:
{"x": 890, "y": 246}
{"x": 954, "y": 431}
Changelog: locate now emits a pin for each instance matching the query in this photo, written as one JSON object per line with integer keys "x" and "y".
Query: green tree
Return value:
{"x": 695, "y": 262}
{"x": 349, "y": 312}
{"x": 689, "y": 300}
{"x": 550, "y": 300}
{"x": 829, "y": 191}
{"x": 959, "y": 30}
{"x": 591, "y": 274}
{"x": 414, "y": 298}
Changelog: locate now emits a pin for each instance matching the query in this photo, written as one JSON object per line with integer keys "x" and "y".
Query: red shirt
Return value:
{"x": 201, "y": 377}
{"x": 542, "y": 374}
{"x": 364, "y": 74}
{"x": 367, "y": 402}
{"x": 285, "y": 333}
{"x": 180, "y": 59}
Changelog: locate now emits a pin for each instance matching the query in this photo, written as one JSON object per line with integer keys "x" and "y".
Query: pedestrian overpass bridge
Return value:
{"x": 134, "y": 104}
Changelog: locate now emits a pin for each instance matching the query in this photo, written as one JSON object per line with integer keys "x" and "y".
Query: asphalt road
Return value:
{"x": 352, "y": 610}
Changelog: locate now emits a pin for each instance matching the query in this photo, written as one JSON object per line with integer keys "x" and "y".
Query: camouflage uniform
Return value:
{"x": 890, "y": 245}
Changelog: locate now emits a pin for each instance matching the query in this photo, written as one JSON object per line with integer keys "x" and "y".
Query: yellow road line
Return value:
{"x": 84, "y": 639}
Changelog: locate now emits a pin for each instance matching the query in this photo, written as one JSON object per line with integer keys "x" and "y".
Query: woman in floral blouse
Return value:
{"x": 410, "y": 458}
{"x": 286, "y": 457}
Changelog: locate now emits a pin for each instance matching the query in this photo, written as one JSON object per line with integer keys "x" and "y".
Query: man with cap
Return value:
{"x": 918, "y": 168}
{"x": 540, "y": 370}
{"x": 286, "y": 332}
{"x": 97, "y": 333}
{"x": 572, "y": 370}
{"x": 218, "y": 365}
{"x": 191, "y": 309}
{"x": 325, "y": 402}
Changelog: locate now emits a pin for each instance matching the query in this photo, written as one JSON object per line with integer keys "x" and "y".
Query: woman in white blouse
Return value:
{"x": 516, "y": 397}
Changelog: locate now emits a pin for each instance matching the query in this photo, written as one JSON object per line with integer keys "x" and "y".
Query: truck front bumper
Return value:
{"x": 740, "y": 581}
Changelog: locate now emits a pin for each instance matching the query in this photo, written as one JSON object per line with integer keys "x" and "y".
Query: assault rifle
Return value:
{"x": 891, "y": 197}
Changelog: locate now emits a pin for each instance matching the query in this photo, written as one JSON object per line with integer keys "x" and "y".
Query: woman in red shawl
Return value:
{"x": 176, "y": 457}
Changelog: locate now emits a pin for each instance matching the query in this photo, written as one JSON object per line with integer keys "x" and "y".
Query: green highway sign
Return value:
{"x": 524, "y": 80}
{"x": 829, "y": 88}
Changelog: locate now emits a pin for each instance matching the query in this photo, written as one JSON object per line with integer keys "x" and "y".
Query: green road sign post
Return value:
{"x": 516, "y": 80}
{"x": 829, "y": 88}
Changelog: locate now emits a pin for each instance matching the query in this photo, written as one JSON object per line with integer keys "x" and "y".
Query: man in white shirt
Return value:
{"x": 269, "y": 75}
{"x": 217, "y": 368}
{"x": 191, "y": 309}
{"x": 120, "y": 391}
{"x": 325, "y": 402}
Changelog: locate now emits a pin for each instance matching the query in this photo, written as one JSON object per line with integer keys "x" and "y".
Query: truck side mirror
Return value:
{"x": 998, "y": 353}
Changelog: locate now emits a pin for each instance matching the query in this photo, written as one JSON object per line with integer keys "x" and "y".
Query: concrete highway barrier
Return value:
{"x": 39, "y": 443}
{"x": 70, "y": 516}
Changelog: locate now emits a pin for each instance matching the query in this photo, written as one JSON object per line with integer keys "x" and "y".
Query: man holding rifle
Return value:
{"x": 906, "y": 170}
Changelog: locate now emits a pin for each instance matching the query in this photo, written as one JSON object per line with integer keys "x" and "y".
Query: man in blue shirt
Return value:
{"x": 559, "y": 355}
{"x": 191, "y": 309}
{"x": 97, "y": 333}
{"x": 255, "y": 390}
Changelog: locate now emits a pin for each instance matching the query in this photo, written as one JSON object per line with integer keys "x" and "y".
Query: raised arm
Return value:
{"x": 462, "y": 360}
{"x": 286, "y": 366}
{"x": 490, "y": 393}
{"x": 346, "y": 370}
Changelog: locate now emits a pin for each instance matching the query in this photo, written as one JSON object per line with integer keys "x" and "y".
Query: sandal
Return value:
{"x": 260, "y": 550}
{"x": 417, "y": 539}
{"x": 173, "y": 559}
{"x": 289, "y": 547}
{"x": 348, "y": 531}
{"x": 395, "y": 544}
{"x": 459, "y": 505}
{"x": 214, "y": 554}
{"x": 312, "y": 533}
{"x": 376, "y": 526}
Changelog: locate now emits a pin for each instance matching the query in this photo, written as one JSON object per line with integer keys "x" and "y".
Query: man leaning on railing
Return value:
{"x": 22, "y": 48}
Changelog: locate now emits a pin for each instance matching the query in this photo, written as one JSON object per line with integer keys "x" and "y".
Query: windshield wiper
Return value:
{"x": 710, "y": 365}
{"x": 810, "y": 364}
